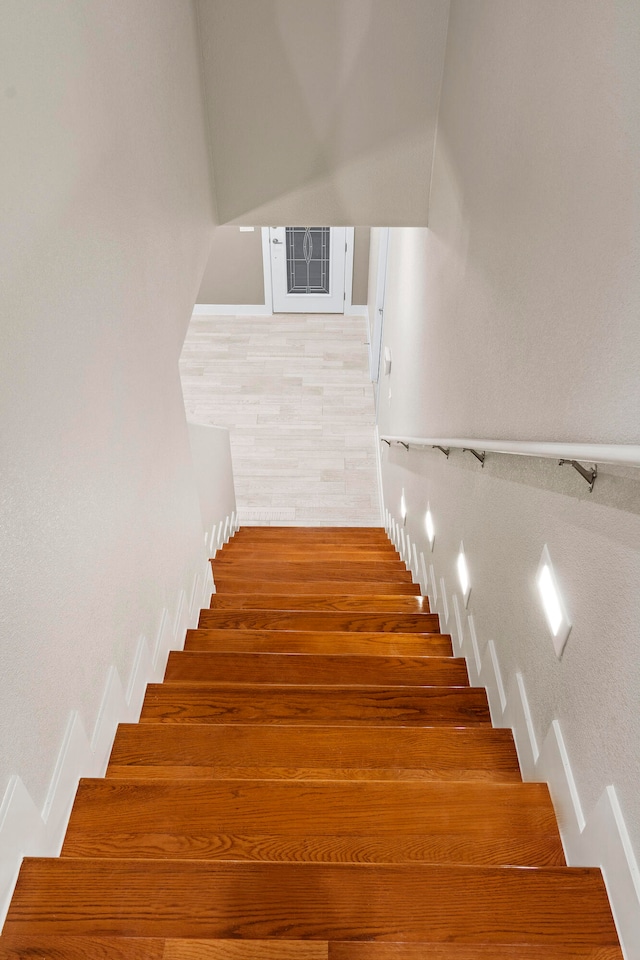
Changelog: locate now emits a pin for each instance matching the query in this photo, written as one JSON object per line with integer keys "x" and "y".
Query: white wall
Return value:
{"x": 361, "y": 244}
{"x": 515, "y": 316}
{"x": 213, "y": 469}
{"x": 531, "y": 296}
{"x": 323, "y": 112}
{"x": 234, "y": 273}
{"x": 107, "y": 213}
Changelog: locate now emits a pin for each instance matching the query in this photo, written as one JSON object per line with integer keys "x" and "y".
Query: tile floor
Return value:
{"x": 295, "y": 393}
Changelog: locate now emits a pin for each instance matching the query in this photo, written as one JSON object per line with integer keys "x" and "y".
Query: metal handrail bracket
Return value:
{"x": 574, "y": 453}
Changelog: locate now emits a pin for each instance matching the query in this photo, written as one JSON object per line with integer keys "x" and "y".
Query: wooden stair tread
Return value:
{"x": 353, "y": 950}
{"x": 314, "y": 641}
{"x": 226, "y": 584}
{"x": 310, "y": 704}
{"x": 303, "y": 668}
{"x": 314, "y": 570}
{"x": 311, "y": 552}
{"x": 372, "y": 822}
{"x": 346, "y": 809}
{"x": 324, "y": 621}
{"x": 192, "y": 898}
{"x": 327, "y": 602}
{"x": 129, "y": 948}
{"x": 459, "y": 753}
{"x": 86, "y": 948}
{"x": 309, "y": 533}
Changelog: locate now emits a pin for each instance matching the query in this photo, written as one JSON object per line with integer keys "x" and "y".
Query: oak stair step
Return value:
{"x": 129, "y": 948}
{"x": 96, "y": 948}
{"x": 328, "y": 822}
{"x": 354, "y": 950}
{"x": 226, "y": 584}
{"x": 300, "y": 668}
{"x": 313, "y": 704}
{"x": 327, "y": 620}
{"x": 293, "y": 534}
{"x": 314, "y": 570}
{"x": 335, "y": 602}
{"x": 205, "y": 899}
{"x": 314, "y": 752}
{"x": 325, "y": 552}
{"x": 309, "y": 641}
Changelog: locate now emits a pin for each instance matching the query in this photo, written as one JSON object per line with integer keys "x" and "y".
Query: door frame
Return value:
{"x": 348, "y": 269}
{"x": 377, "y": 322}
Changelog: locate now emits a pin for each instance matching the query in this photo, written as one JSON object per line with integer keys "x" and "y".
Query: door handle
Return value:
{"x": 276, "y": 241}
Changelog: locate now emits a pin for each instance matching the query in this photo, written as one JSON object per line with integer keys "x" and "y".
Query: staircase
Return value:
{"x": 314, "y": 780}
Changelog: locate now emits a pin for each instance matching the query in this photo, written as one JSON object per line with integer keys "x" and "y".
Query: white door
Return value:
{"x": 307, "y": 269}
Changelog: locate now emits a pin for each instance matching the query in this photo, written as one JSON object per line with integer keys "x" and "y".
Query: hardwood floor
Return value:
{"x": 318, "y": 788}
{"x": 295, "y": 393}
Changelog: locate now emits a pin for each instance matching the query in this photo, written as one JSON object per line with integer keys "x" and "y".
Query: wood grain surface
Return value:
{"x": 192, "y": 898}
{"x": 355, "y": 950}
{"x": 267, "y": 569}
{"x": 315, "y": 641}
{"x": 187, "y": 665}
{"x": 307, "y": 704}
{"x": 320, "y": 752}
{"x": 127, "y": 948}
{"x": 294, "y": 534}
{"x": 312, "y": 552}
{"x": 314, "y": 620}
{"x": 327, "y": 602}
{"x": 368, "y": 822}
{"x": 225, "y": 583}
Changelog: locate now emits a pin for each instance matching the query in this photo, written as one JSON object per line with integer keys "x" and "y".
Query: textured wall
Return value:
{"x": 531, "y": 291}
{"x": 106, "y": 201}
{"x": 516, "y": 316}
{"x": 323, "y": 112}
{"x": 361, "y": 240}
{"x": 234, "y": 271}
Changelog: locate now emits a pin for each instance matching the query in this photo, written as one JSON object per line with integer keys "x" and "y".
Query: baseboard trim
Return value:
{"x": 141, "y": 673}
{"x": 407, "y": 554}
{"x": 458, "y": 633}
{"x": 379, "y": 475}
{"x": 474, "y": 646}
{"x": 112, "y": 708}
{"x": 181, "y": 620}
{"x": 74, "y": 759}
{"x": 491, "y": 678}
{"x": 232, "y": 310}
{"x": 517, "y": 715}
{"x": 425, "y": 578}
{"x": 605, "y": 842}
{"x": 433, "y": 596}
{"x": 22, "y": 834}
{"x": 444, "y": 601}
{"x": 24, "y": 830}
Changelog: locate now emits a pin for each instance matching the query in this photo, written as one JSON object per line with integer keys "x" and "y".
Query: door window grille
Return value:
{"x": 308, "y": 259}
